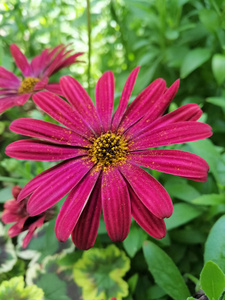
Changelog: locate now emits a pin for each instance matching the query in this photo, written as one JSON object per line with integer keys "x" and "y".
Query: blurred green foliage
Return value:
{"x": 170, "y": 39}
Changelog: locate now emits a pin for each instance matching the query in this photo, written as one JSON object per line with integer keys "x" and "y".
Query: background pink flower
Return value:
{"x": 16, "y": 91}
{"x": 16, "y": 212}
{"x": 101, "y": 154}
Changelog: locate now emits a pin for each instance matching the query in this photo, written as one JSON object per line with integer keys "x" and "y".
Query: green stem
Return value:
{"x": 89, "y": 43}
{"x": 9, "y": 179}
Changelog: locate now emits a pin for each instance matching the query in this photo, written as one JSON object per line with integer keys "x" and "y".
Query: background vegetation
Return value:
{"x": 169, "y": 39}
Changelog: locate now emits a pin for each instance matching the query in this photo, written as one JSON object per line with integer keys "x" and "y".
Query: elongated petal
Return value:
{"x": 62, "y": 112}
{"x": 41, "y": 84}
{"x": 156, "y": 109}
{"x": 81, "y": 101}
{"x": 151, "y": 224}
{"x": 54, "y": 88}
{"x": 127, "y": 90}
{"x": 21, "y": 60}
{"x": 41, "y": 178}
{"x": 151, "y": 193}
{"x": 48, "y": 131}
{"x": 9, "y": 217}
{"x": 180, "y": 163}
{"x": 12, "y": 78}
{"x": 14, "y": 230}
{"x": 85, "y": 231}
{"x": 31, "y": 230}
{"x": 68, "y": 61}
{"x": 188, "y": 112}
{"x": 170, "y": 134}
{"x": 74, "y": 205}
{"x": 38, "y": 150}
{"x": 14, "y": 100}
{"x": 104, "y": 96}
{"x": 38, "y": 63}
{"x": 142, "y": 104}
{"x": 57, "y": 186}
{"x": 116, "y": 205}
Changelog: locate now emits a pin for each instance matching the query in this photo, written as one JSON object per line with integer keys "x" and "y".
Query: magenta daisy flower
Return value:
{"x": 101, "y": 156}
{"x": 16, "y": 212}
{"x": 16, "y": 91}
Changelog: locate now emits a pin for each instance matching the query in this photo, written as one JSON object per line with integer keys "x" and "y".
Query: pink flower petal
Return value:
{"x": 66, "y": 62}
{"x": 155, "y": 110}
{"x": 180, "y": 163}
{"x": 151, "y": 224}
{"x": 14, "y": 230}
{"x": 9, "y": 217}
{"x": 48, "y": 131}
{"x": 151, "y": 193}
{"x": 14, "y": 100}
{"x": 80, "y": 100}
{"x": 13, "y": 80}
{"x": 104, "y": 96}
{"x": 21, "y": 61}
{"x": 62, "y": 112}
{"x": 37, "y": 150}
{"x": 142, "y": 104}
{"x": 58, "y": 185}
{"x": 188, "y": 112}
{"x": 39, "y": 62}
{"x": 41, "y": 84}
{"x": 31, "y": 230}
{"x": 116, "y": 204}
{"x": 40, "y": 179}
{"x": 54, "y": 88}
{"x": 74, "y": 205}
{"x": 170, "y": 134}
{"x": 85, "y": 231}
{"x": 127, "y": 90}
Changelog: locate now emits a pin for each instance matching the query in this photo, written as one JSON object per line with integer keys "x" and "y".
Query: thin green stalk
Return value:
{"x": 89, "y": 43}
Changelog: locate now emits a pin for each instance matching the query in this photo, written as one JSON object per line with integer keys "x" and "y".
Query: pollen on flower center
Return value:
{"x": 108, "y": 149}
{"x": 27, "y": 85}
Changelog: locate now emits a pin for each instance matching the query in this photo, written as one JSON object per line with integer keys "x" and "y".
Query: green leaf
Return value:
{"x": 14, "y": 290}
{"x": 218, "y": 67}
{"x": 164, "y": 271}
{"x": 182, "y": 213}
{"x": 219, "y": 101}
{"x": 7, "y": 253}
{"x": 209, "y": 199}
{"x": 215, "y": 244}
{"x": 55, "y": 280}
{"x": 53, "y": 287}
{"x": 212, "y": 280}
{"x": 210, "y": 19}
{"x": 135, "y": 239}
{"x": 178, "y": 188}
{"x": 5, "y": 194}
{"x": 99, "y": 272}
{"x": 191, "y": 298}
{"x": 194, "y": 59}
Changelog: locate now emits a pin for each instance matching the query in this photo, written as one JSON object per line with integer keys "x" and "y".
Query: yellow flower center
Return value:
{"x": 27, "y": 85}
{"x": 108, "y": 149}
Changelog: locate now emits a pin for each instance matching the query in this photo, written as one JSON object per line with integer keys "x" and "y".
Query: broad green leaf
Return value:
{"x": 99, "y": 272}
{"x": 55, "y": 280}
{"x": 219, "y": 101}
{"x": 182, "y": 214}
{"x": 215, "y": 244}
{"x": 194, "y": 59}
{"x": 14, "y": 290}
{"x": 212, "y": 280}
{"x": 209, "y": 199}
{"x": 5, "y": 194}
{"x": 207, "y": 151}
{"x": 135, "y": 239}
{"x": 218, "y": 67}
{"x": 191, "y": 298}
{"x": 7, "y": 253}
{"x": 180, "y": 189}
{"x": 210, "y": 19}
{"x": 164, "y": 271}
